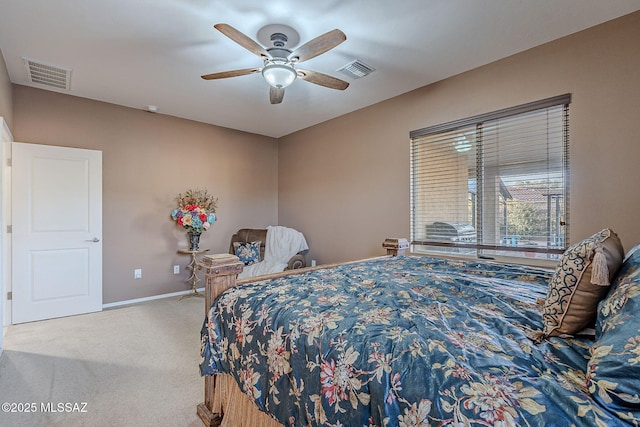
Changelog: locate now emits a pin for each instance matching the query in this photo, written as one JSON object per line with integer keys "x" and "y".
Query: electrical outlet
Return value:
{"x": 137, "y": 273}
{"x": 176, "y": 269}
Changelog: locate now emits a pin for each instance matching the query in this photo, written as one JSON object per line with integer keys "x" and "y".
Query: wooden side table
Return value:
{"x": 193, "y": 265}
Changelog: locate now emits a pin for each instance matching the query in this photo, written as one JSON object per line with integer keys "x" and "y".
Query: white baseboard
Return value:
{"x": 146, "y": 299}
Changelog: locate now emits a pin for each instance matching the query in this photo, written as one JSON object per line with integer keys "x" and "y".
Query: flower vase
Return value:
{"x": 194, "y": 240}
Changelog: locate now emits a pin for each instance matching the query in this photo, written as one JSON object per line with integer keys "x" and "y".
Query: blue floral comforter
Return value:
{"x": 405, "y": 341}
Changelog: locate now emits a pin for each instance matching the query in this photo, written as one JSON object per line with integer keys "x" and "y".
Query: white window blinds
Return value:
{"x": 494, "y": 184}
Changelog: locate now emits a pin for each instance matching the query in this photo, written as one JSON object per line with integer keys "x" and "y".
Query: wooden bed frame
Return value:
{"x": 220, "y": 391}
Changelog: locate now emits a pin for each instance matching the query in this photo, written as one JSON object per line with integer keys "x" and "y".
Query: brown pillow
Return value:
{"x": 581, "y": 280}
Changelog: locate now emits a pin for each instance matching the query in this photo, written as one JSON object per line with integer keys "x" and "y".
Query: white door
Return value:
{"x": 56, "y": 231}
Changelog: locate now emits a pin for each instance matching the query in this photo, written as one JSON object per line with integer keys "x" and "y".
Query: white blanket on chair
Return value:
{"x": 282, "y": 243}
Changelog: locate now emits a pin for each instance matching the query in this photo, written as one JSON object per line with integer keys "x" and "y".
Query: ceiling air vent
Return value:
{"x": 48, "y": 75}
{"x": 356, "y": 69}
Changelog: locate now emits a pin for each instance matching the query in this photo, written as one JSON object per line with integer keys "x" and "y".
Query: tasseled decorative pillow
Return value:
{"x": 580, "y": 281}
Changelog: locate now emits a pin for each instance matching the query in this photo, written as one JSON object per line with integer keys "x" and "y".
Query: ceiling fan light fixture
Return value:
{"x": 279, "y": 75}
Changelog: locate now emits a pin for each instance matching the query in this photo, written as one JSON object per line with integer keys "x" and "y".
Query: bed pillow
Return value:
{"x": 580, "y": 281}
{"x": 614, "y": 367}
{"x": 616, "y": 298}
{"x": 248, "y": 252}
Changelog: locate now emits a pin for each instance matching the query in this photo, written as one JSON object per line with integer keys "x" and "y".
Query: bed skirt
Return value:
{"x": 237, "y": 409}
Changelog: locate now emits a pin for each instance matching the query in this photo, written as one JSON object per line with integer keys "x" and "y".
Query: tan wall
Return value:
{"x": 147, "y": 160}
{"x": 345, "y": 182}
{"x": 6, "y": 94}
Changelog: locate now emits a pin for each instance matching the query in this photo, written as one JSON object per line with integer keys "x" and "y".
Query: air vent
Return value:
{"x": 356, "y": 69}
{"x": 48, "y": 75}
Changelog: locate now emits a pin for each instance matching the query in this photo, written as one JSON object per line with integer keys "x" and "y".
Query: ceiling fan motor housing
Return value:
{"x": 279, "y": 53}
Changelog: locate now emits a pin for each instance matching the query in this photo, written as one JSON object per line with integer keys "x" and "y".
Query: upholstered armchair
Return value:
{"x": 247, "y": 235}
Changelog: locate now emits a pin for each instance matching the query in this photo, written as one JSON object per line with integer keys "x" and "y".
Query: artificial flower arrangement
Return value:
{"x": 196, "y": 210}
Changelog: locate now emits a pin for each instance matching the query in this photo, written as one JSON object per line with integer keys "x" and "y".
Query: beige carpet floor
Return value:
{"x": 133, "y": 365}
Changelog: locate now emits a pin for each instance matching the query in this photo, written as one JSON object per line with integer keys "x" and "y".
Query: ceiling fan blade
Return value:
{"x": 276, "y": 95}
{"x": 234, "y": 73}
{"x": 322, "y": 79}
{"x": 242, "y": 40}
{"x": 318, "y": 46}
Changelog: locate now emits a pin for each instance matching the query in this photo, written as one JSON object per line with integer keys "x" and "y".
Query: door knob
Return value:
{"x": 94, "y": 240}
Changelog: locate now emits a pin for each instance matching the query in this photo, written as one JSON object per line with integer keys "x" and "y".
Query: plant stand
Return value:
{"x": 193, "y": 265}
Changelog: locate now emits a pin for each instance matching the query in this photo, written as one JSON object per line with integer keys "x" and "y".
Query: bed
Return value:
{"x": 415, "y": 341}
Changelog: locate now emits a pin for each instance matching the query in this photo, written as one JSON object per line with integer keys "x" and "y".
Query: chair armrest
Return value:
{"x": 297, "y": 261}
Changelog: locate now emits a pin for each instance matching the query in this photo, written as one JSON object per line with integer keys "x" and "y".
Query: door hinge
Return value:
{"x": 9, "y": 163}
{"x": 9, "y": 296}
{"x": 9, "y": 228}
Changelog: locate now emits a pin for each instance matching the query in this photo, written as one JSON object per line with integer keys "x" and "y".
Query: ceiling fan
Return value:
{"x": 279, "y": 68}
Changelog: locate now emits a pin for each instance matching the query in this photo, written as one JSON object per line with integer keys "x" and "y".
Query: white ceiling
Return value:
{"x": 152, "y": 52}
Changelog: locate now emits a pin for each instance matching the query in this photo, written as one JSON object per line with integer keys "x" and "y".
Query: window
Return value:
{"x": 494, "y": 184}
